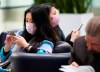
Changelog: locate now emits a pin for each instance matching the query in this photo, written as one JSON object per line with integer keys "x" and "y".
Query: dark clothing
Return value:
{"x": 82, "y": 56}
{"x": 62, "y": 37}
{"x": 2, "y": 39}
{"x": 68, "y": 39}
{"x": 60, "y": 33}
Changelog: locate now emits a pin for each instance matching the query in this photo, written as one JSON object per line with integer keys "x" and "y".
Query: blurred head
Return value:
{"x": 93, "y": 34}
{"x": 36, "y": 19}
{"x": 52, "y": 12}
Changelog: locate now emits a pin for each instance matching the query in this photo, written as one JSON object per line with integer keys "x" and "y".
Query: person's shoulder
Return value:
{"x": 80, "y": 43}
{"x": 81, "y": 38}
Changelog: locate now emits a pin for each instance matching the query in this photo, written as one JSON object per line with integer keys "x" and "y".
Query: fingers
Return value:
{"x": 7, "y": 38}
{"x": 76, "y": 33}
{"x": 74, "y": 64}
{"x": 14, "y": 38}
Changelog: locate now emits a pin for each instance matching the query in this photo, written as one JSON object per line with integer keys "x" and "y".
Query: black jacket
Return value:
{"x": 62, "y": 37}
{"x": 82, "y": 56}
{"x": 2, "y": 39}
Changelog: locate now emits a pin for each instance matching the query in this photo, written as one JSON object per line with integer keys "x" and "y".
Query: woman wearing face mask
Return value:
{"x": 37, "y": 29}
{"x": 37, "y": 34}
{"x": 53, "y": 13}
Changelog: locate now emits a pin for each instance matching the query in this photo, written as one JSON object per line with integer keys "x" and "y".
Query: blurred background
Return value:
{"x": 12, "y": 11}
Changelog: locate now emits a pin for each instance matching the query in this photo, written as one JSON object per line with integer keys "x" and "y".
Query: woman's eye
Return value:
{"x": 54, "y": 13}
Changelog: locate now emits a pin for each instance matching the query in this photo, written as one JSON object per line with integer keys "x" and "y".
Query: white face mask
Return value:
{"x": 31, "y": 28}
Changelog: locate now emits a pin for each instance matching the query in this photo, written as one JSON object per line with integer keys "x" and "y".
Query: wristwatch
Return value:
{"x": 28, "y": 47}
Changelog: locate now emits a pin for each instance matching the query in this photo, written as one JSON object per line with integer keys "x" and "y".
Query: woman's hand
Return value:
{"x": 8, "y": 43}
{"x": 8, "y": 40}
{"x": 20, "y": 41}
{"x": 75, "y": 34}
{"x": 74, "y": 64}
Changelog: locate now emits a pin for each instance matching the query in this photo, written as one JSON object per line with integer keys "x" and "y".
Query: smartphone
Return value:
{"x": 80, "y": 27}
{"x": 11, "y": 33}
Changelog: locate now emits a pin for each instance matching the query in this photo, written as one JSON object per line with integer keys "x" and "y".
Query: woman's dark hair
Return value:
{"x": 44, "y": 29}
{"x": 47, "y": 7}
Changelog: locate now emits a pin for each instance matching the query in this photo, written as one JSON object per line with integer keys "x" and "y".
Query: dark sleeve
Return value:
{"x": 62, "y": 37}
{"x": 79, "y": 51}
{"x": 33, "y": 50}
{"x": 2, "y": 39}
{"x": 72, "y": 54}
{"x": 5, "y": 53}
{"x": 68, "y": 39}
{"x": 60, "y": 33}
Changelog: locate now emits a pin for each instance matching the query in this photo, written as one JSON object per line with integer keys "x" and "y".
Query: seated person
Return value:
{"x": 37, "y": 32}
{"x": 32, "y": 46}
{"x": 6, "y": 52}
{"x": 86, "y": 49}
{"x": 36, "y": 29}
{"x": 54, "y": 15}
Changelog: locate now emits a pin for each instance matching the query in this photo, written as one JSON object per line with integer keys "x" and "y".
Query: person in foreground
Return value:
{"x": 86, "y": 49}
{"x": 37, "y": 28}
